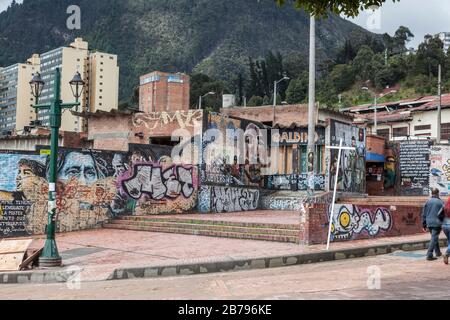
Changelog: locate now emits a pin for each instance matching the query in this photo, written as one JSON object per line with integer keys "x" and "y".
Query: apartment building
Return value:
{"x": 15, "y": 95}
{"x": 160, "y": 91}
{"x": 99, "y": 70}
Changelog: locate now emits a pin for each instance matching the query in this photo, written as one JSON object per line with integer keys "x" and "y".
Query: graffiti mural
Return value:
{"x": 440, "y": 169}
{"x": 350, "y": 221}
{"x": 391, "y": 167}
{"x": 295, "y": 181}
{"x": 92, "y": 187}
{"x": 225, "y": 163}
{"x": 353, "y": 162}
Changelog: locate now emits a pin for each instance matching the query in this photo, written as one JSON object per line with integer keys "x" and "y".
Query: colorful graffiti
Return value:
{"x": 350, "y": 221}
{"x": 440, "y": 169}
{"x": 226, "y": 163}
{"x": 353, "y": 162}
{"x": 92, "y": 187}
{"x": 390, "y": 167}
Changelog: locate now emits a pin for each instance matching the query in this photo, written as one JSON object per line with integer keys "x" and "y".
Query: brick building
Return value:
{"x": 160, "y": 91}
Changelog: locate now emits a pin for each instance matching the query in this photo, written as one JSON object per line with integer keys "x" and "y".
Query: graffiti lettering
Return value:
{"x": 234, "y": 199}
{"x": 158, "y": 184}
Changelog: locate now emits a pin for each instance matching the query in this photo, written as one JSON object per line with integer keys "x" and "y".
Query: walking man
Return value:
{"x": 432, "y": 216}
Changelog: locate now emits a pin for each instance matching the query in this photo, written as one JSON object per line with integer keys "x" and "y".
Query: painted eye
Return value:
{"x": 344, "y": 219}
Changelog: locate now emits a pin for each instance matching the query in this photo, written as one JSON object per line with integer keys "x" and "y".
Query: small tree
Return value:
{"x": 255, "y": 101}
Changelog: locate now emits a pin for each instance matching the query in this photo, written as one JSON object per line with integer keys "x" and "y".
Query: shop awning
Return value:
{"x": 374, "y": 157}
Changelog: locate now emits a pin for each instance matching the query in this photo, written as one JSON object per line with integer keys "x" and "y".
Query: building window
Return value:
{"x": 423, "y": 127}
{"x": 400, "y": 132}
{"x": 383, "y": 133}
{"x": 445, "y": 131}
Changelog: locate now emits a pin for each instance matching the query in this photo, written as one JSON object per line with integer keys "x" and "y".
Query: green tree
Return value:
{"x": 255, "y": 101}
{"x": 342, "y": 77}
{"x": 401, "y": 37}
{"x": 362, "y": 64}
{"x": 350, "y": 8}
{"x": 298, "y": 89}
{"x": 429, "y": 55}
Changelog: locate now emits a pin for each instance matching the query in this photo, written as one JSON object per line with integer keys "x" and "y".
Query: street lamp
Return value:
{"x": 275, "y": 94}
{"x": 201, "y": 97}
{"x": 50, "y": 256}
{"x": 36, "y": 85}
{"x": 375, "y": 97}
{"x": 77, "y": 86}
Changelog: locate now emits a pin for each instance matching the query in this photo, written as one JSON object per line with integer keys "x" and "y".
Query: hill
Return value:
{"x": 214, "y": 37}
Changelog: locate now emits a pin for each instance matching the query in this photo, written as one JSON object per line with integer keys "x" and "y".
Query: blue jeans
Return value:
{"x": 434, "y": 243}
{"x": 446, "y": 229}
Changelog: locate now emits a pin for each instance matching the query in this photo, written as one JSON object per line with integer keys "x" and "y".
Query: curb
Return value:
{"x": 226, "y": 265}
{"x": 68, "y": 274}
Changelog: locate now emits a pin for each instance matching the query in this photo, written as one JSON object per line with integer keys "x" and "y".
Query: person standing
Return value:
{"x": 446, "y": 229}
{"x": 432, "y": 216}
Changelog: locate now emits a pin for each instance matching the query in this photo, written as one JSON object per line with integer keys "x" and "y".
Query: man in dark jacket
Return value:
{"x": 432, "y": 216}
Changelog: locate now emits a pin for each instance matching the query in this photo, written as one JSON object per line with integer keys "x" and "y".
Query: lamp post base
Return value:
{"x": 50, "y": 262}
{"x": 50, "y": 256}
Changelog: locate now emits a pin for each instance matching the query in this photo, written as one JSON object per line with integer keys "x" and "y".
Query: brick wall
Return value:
{"x": 385, "y": 221}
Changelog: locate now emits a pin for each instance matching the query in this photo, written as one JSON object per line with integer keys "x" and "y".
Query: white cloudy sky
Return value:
{"x": 421, "y": 16}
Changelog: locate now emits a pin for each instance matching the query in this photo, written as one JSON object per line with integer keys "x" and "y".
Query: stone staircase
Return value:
{"x": 205, "y": 227}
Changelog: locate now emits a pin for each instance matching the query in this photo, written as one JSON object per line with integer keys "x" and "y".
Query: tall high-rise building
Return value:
{"x": 99, "y": 71}
{"x": 160, "y": 91}
{"x": 16, "y": 99}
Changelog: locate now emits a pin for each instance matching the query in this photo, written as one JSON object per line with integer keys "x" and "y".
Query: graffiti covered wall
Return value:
{"x": 359, "y": 221}
{"x": 92, "y": 187}
{"x": 229, "y": 177}
{"x": 440, "y": 169}
{"x": 353, "y": 162}
{"x": 351, "y": 222}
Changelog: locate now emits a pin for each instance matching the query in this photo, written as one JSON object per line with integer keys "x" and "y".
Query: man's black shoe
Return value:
{"x": 439, "y": 254}
{"x": 431, "y": 258}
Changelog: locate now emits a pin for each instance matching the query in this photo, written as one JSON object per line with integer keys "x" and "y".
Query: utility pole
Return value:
{"x": 311, "y": 104}
{"x": 438, "y": 138}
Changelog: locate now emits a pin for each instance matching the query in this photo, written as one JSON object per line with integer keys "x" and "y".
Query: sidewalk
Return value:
{"x": 107, "y": 254}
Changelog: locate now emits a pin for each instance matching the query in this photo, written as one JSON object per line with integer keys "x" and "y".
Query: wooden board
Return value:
{"x": 12, "y": 253}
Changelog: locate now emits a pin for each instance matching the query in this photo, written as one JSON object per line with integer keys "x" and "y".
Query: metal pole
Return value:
{"x": 311, "y": 104}
{"x": 438, "y": 138}
{"x": 334, "y": 194}
{"x": 200, "y": 103}
{"x": 50, "y": 256}
{"x": 274, "y": 101}
{"x": 375, "y": 118}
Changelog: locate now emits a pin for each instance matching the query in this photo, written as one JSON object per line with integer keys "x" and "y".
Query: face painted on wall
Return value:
{"x": 24, "y": 173}
{"x": 344, "y": 223}
{"x": 79, "y": 166}
{"x": 119, "y": 165}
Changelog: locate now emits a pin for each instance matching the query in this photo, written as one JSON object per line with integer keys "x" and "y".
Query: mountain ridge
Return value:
{"x": 208, "y": 36}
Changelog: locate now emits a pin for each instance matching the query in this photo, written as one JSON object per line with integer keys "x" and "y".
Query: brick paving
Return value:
{"x": 99, "y": 252}
{"x": 400, "y": 278}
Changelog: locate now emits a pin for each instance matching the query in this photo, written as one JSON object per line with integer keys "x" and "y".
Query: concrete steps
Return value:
{"x": 213, "y": 228}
